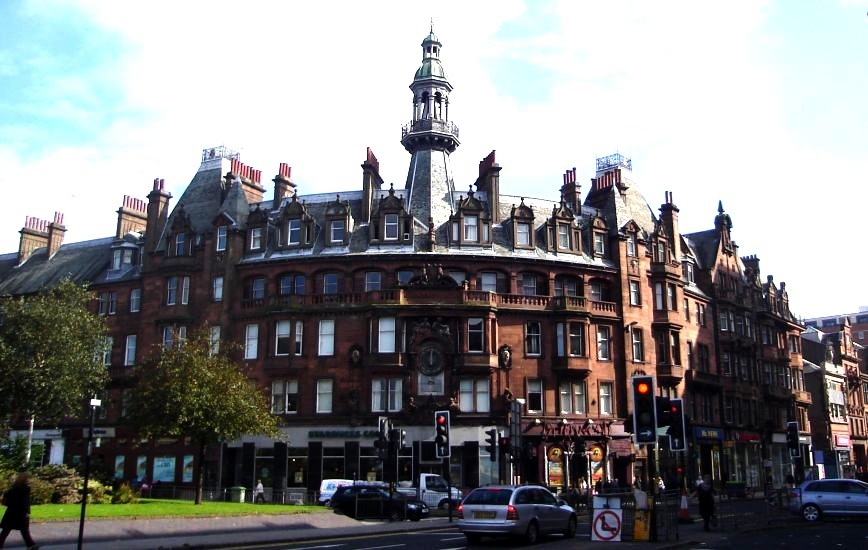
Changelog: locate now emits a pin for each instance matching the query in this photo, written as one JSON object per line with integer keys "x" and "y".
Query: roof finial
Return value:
{"x": 432, "y": 25}
{"x": 720, "y": 206}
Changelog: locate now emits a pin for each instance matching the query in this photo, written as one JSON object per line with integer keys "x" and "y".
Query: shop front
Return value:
{"x": 742, "y": 458}
{"x": 706, "y": 453}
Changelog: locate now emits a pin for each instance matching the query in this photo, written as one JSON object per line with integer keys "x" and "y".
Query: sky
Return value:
{"x": 762, "y": 105}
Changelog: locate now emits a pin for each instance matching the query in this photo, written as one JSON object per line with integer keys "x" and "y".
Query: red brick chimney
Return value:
{"x": 489, "y": 181}
{"x": 158, "y": 213}
{"x": 132, "y": 216}
{"x": 34, "y": 235}
{"x": 371, "y": 181}
{"x": 283, "y": 186}
{"x": 56, "y": 231}
{"x": 251, "y": 181}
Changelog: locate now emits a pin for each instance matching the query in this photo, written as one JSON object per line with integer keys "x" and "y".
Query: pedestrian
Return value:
{"x": 705, "y": 494}
{"x": 259, "y": 492}
{"x": 17, "y": 515}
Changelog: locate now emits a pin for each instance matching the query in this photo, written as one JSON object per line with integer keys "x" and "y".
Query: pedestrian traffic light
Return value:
{"x": 677, "y": 428}
{"x": 793, "y": 438}
{"x": 396, "y": 439}
{"x": 664, "y": 411}
{"x": 441, "y": 434}
{"x": 491, "y": 442}
{"x": 644, "y": 410}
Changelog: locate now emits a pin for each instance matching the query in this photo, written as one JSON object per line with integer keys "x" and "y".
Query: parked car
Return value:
{"x": 527, "y": 511}
{"x": 328, "y": 487}
{"x": 830, "y": 497}
{"x": 372, "y": 501}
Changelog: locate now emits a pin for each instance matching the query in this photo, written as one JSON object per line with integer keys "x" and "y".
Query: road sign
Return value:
{"x": 606, "y": 526}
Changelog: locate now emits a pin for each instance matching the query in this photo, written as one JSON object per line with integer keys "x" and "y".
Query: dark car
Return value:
{"x": 830, "y": 497}
{"x": 525, "y": 511}
{"x": 373, "y": 501}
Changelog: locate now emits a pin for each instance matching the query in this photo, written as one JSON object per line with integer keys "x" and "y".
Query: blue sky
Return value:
{"x": 761, "y": 105}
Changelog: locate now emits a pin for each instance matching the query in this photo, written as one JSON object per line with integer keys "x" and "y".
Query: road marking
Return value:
{"x": 385, "y": 546}
{"x": 319, "y": 546}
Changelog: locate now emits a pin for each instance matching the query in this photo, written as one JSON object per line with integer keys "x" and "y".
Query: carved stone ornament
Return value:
{"x": 504, "y": 356}
{"x": 356, "y": 355}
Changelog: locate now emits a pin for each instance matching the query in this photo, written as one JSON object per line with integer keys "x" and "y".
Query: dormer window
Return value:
{"x": 337, "y": 230}
{"x": 688, "y": 272}
{"x": 522, "y": 226}
{"x": 337, "y": 223}
{"x": 222, "y": 233}
{"x": 471, "y": 229}
{"x": 122, "y": 258}
{"x": 181, "y": 244}
{"x": 563, "y": 236}
{"x": 390, "y": 223}
{"x": 293, "y": 232}
{"x": 523, "y": 233}
{"x": 599, "y": 244}
{"x": 256, "y": 238}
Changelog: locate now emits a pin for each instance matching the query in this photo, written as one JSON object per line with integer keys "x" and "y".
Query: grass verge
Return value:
{"x": 160, "y": 508}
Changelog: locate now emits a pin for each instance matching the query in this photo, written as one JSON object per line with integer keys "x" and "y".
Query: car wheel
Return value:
{"x": 570, "y": 531}
{"x": 326, "y": 503}
{"x": 395, "y": 515}
{"x": 532, "y": 534}
{"x": 472, "y": 538}
{"x": 443, "y": 504}
{"x": 811, "y": 512}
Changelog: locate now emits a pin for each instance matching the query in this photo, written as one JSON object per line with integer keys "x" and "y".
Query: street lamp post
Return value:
{"x": 94, "y": 404}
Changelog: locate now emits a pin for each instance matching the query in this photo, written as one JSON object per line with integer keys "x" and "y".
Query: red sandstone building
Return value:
{"x": 438, "y": 295}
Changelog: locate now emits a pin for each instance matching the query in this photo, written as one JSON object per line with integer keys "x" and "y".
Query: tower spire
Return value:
{"x": 430, "y": 137}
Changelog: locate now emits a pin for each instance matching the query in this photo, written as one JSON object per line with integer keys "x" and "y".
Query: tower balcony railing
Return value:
{"x": 430, "y": 125}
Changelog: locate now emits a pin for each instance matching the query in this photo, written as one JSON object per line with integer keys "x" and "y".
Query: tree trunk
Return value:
{"x": 198, "y": 472}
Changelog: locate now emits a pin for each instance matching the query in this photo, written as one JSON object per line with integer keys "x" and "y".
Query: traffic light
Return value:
{"x": 382, "y": 442}
{"x": 441, "y": 434}
{"x": 491, "y": 442}
{"x": 664, "y": 411}
{"x": 793, "y": 438}
{"x": 644, "y": 410}
{"x": 677, "y": 426}
{"x": 503, "y": 443}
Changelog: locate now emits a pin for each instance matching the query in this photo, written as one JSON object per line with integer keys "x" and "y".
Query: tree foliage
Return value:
{"x": 50, "y": 353}
{"x": 188, "y": 391}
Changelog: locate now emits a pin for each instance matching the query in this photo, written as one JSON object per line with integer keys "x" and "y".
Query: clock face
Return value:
{"x": 430, "y": 361}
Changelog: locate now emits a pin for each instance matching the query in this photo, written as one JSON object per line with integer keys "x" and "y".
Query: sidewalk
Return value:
{"x": 192, "y": 533}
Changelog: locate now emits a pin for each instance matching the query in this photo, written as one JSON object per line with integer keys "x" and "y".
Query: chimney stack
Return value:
{"x": 132, "y": 216}
{"x": 251, "y": 181}
{"x": 56, "y": 231}
{"x": 158, "y": 213}
{"x": 669, "y": 213}
{"x": 571, "y": 192}
{"x": 283, "y": 186}
{"x": 34, "y": 235}
{"x": 489, "y": 181}
{"x": 371, "y": 181}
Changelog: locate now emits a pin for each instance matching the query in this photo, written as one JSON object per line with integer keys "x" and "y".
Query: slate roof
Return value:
{"x": 83, "y": 262}
{"x": 202, "y": 201}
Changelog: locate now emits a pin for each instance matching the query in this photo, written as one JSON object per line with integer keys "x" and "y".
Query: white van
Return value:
{"x": 328, "y": 487}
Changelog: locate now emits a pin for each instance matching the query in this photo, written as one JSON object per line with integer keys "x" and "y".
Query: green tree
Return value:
{"x": 51, "y": 348}
{"x": 188, "y": 390}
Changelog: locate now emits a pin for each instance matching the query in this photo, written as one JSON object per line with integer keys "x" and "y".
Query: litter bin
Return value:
{"x": 236, "y": 494}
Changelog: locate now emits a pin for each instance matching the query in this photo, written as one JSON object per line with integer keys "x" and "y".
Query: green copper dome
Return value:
{"x": 430, "y": 68}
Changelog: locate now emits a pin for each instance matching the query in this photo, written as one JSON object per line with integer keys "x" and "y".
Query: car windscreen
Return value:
{"x": 489, "y": 496}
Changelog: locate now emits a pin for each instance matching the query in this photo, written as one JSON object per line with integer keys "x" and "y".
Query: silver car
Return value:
{"x": 830, "y": 497}
{"x": 527, "y": 511}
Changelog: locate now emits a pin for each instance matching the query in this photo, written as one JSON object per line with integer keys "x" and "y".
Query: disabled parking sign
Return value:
{"x": 606, "y": 526}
